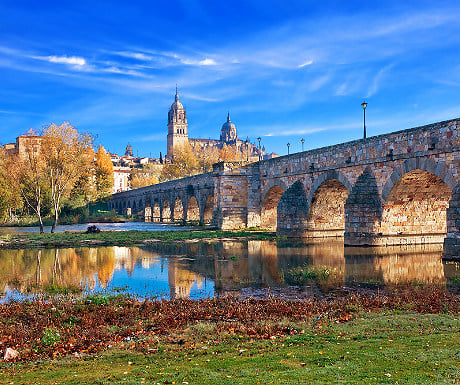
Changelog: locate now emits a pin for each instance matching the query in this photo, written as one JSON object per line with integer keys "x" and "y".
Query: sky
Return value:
{"x": 284, "y": 70}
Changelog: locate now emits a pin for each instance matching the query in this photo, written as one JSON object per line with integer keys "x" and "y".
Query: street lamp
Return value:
{"x": 302, "y": 141}
{"x": 364, "y": 105}
{"x": 288, "y": 145}
{"x": 247, "y": 150}
{"x": 260, "y": 152}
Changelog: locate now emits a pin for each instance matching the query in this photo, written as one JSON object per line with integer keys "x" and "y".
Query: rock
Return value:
{"x": 10, "y": 354}
{"x": 93, "y": 229}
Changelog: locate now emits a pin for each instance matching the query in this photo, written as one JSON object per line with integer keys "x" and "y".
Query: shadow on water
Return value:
{"x": 207, "y": 269}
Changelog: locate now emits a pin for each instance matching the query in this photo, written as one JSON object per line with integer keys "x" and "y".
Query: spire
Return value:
{"x": 228, "y": 117}
{"x": 177, "y": 96}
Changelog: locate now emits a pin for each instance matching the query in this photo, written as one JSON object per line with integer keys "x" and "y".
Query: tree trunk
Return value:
{"x": 56, "y": 218}
{"x": 42, "y": 228}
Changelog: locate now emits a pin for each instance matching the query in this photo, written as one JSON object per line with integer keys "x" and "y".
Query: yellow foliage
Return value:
{"x": 147, "y": 175}
{"x": 104, "y": 172}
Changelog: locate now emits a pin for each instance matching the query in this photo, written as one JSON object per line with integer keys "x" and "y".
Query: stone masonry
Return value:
{"x": 396, "y": 188}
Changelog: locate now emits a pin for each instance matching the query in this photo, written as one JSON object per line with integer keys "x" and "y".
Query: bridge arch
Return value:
{"x": 269, "y": 207}
{"x": 193, "y": 211}
{"x": 416, "y": 198}
{"x": 208, "y": 209}
{"x": 178, "y": 213}
{"x": 326, "y": 205}
{"x": 439, "y": 169}
{"x": 166, "y": 212}
{"x": 156, "y": 212}
{"x": 292, "y": 211}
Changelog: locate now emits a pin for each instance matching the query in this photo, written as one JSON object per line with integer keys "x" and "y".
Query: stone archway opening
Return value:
{"x": 166, "y": 211}
{"x": 178, "y": 210}
{"x": 326, "y": 214}
{"x": 156, "y": 212}
{"x": 208, "y": 209}
{"x": 193, "y": 211}
{"x": 292, "y": 211}
{"x": 416, "y": 206}
{"x": 269, "y": 210}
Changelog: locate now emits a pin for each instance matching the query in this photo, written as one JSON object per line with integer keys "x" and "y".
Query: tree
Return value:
{"x": 184, "y": 163}
{"x": 10, "y": 197}
{"x": 104, "y": 172}
{"x": 67, "y": 155}
{"x": 230, "y": 153}
{"x": 146, "y": 175}
{"x": 25, "y": 172}
{"x": 207, "y": 156}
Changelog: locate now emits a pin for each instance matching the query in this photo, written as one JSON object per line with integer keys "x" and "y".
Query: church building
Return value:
{"x": 178, "y": 135}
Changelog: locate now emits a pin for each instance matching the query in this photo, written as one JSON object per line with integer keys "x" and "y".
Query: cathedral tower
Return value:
{"x": 177, "y": 126}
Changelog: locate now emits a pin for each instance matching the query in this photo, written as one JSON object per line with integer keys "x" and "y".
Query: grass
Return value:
{"x": 123, "y": 238}
{"x": 303, "y": 275}
{"x": 375, "y": 348}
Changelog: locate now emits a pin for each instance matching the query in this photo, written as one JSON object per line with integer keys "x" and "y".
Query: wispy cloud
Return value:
{"x": 375, "y": 84}
{"x": 75, "y": 62}
{"x": 278, "y": 130}
{"x": 307, "y": 63}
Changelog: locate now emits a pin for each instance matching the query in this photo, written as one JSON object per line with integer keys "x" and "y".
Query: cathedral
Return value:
{"x": 178, "y": 135}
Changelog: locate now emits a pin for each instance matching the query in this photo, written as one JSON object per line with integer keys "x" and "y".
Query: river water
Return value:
{"x": 138, "y": 226}
{"x": 198, "y": 270}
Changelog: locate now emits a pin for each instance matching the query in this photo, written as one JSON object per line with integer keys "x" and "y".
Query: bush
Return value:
{"x": 50, "y": 337}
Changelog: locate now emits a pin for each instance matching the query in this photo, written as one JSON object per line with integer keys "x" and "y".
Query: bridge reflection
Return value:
{"x": 203, "y": 269}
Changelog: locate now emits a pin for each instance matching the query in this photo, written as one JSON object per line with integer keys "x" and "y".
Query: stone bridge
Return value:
{"x": 396, "y": 188}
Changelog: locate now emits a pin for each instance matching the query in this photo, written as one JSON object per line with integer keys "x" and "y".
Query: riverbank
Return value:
{"x": 406, "y": 336}
{"x": 126, "y": 238}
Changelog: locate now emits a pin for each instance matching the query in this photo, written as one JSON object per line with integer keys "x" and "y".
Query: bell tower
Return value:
{"x": 177, "y": 126}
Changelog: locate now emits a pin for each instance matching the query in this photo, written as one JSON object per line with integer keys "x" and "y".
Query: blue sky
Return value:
{"x": 285, "y": 70}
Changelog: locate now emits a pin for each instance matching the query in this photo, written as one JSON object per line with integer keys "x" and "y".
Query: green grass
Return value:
{"x": 107, "y": 238}
{"x": 375, "y": 348}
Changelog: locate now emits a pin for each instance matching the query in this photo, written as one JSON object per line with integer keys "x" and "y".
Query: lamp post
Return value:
{"x": 302, "y": 141}
{"x": 364, "y": 105}
{"x": 288, "y": 145}
{"x": 247, "y": 150}
{"x": 260, "y": 152}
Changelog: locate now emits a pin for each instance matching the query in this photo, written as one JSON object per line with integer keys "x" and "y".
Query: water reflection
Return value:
{"x": 194, "y": 270}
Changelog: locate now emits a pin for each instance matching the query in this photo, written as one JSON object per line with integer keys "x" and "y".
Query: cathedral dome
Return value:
{"x": 228, "y": 131}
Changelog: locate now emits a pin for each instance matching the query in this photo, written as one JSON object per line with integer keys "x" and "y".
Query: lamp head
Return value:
{"x": 364, "y": 105}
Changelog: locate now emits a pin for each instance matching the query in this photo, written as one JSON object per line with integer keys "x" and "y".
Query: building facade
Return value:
{"x": 178, "y": 136}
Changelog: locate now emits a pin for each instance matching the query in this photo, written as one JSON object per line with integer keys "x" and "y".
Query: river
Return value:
{"x": 124, "y": 226}
{"x": 199, "y": 270}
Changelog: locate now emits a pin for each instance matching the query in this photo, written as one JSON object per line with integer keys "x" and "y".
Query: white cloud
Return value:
{"x": 76, "y": 62}
{"x": 134, "y": 55}
{"x": 307, "y": 63}
{"x": 71, "y": 60}
{"x": 117, "y": 70}
{"x": 204, "y": 62}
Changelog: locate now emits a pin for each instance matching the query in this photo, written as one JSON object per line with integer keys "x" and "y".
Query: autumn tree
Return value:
{"x": 207, "y": 156}
{"x": 67, "y": 155}
{"x": 25, "y": 172}
{"x": 146, "y": 175}
{"x": 184, "y": 163}
{"x": 103, "y": 172}
{"x": 10, "y": 197}
{"x": 230, "y": 153}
